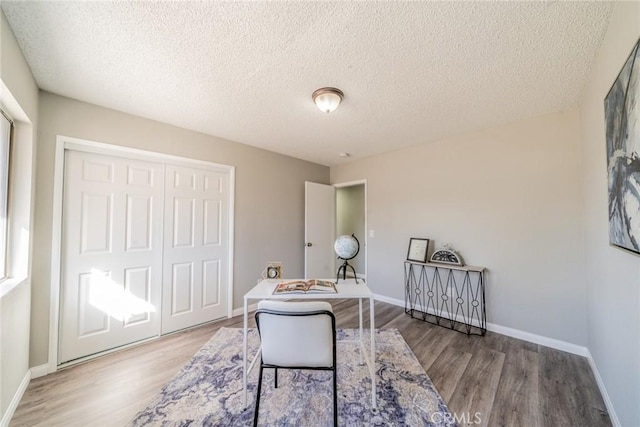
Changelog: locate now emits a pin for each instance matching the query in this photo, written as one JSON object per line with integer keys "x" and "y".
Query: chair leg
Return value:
{"x": 335, "y": 398}
{"x": 255, "y": 415}
{"x": 276, "y": 378}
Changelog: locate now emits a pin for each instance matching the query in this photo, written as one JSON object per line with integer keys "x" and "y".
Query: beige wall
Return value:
{"x": 19, "y": 97}
{"x": 612, "y": 275}
{"x": 350, "y": 219}
{"x": 264, "y": 230}
{"x": 508, "y": 199}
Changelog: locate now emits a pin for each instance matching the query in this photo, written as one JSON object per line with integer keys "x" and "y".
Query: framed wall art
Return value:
{"x": 418, "y": 250}
{"x": 622, "y": 119}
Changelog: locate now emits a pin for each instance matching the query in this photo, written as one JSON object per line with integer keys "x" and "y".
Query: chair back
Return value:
{"x": 297, "y": 334}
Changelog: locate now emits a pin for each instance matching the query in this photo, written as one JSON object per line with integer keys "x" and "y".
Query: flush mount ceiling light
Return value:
{"x": 327, "y": 98}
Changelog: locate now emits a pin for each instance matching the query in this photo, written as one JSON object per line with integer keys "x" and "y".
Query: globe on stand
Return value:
{"x": 347, "y": 247}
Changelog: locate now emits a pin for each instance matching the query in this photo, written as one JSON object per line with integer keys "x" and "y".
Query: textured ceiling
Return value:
{"x": 412, "y": 72}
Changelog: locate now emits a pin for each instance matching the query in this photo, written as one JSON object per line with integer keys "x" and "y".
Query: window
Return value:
{"x": 5, "y": 151}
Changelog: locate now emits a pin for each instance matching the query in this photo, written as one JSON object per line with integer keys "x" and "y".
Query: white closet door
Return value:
{"x": 111, "y": 253}
{"x": 196, "y": 247}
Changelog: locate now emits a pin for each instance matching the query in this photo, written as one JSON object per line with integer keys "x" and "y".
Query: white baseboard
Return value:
{"x": 40, "y": 371}
{"x": 539, "y": 339}
{"x": 603, "y": 391}
{"x": 511, "y": 332}
{"x": 239, "y": 311}
{"x": 6, "y": 418}
{"x": 394, "y": 301}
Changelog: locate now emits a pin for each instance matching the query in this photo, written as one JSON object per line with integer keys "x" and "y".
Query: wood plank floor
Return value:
{"x": 507, "y": 382}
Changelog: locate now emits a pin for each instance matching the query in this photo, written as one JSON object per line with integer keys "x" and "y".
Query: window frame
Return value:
{"x": 5, "y": 186}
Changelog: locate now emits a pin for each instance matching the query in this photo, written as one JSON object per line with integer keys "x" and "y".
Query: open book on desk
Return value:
{"x": 313, "y": 286}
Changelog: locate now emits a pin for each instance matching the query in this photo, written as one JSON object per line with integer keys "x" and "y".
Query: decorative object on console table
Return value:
{"x": 622, "y": 115}
{"x": 447, "y": 255}
{"x": 418, "y": 249}
{"x": 451, "y": 296}
{"x": 273, "y": 270}
{"x": 347, "y": 248}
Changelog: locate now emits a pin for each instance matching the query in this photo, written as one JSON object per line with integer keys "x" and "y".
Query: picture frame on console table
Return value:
{"x": 272, "y": 271}
{"x": 418, "y": 249}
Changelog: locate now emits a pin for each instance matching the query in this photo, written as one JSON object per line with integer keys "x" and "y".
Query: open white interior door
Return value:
{"x": 319, "y": 230}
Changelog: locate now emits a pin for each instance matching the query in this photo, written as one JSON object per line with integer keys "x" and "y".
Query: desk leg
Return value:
{"x": 372, "y": 325}
{"x": 361, "y": 331}
{"x": 244, "y": 354}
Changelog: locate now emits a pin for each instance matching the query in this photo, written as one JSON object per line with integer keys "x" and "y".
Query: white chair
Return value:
{"x": 297, "y": 335}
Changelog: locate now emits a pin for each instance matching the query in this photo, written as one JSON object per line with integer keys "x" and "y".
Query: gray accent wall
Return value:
{"x": 612, "y": 275}
{"x": 269, "y": 194}
{"x": 508, "y": 198}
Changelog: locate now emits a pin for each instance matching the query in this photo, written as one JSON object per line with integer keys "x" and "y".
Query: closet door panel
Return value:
{"x": 111, "y": 253}
{"x": 196, "y": 216}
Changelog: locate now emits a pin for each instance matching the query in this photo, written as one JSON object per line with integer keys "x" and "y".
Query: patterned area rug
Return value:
{"x": 208, "y": 389}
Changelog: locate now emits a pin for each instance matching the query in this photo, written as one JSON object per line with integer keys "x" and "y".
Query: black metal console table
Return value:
{"x": 451, "y": 296}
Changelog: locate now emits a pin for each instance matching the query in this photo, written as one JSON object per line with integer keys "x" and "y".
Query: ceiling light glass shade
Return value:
{"x": 327, "y": 98}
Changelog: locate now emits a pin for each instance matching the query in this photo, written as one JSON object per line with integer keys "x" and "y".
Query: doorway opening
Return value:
{"x": 332, "y": 211}
{"x": 351, "y": 218}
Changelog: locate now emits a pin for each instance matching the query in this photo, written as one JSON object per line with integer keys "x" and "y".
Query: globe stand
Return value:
{"x": 343, "y": 268}
{"x": 346, "y": 257}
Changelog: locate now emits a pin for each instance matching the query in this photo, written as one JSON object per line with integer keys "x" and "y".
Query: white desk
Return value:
{"x": 346, "y": 289}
